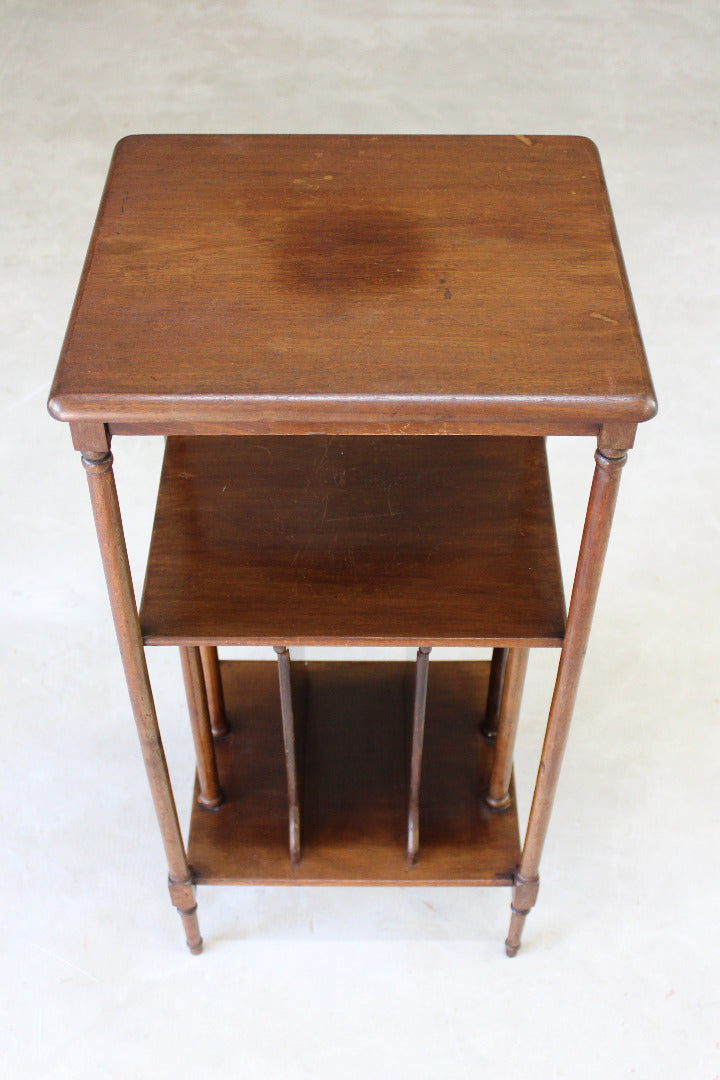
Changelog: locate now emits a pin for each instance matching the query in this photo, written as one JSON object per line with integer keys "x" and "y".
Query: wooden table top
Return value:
{"x": 353, "y": 283}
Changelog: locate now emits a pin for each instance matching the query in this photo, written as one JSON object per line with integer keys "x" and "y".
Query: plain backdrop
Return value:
{"x": 618, "y": 976}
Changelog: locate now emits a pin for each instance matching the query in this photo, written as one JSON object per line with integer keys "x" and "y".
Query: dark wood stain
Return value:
{"x": 285, "y": 279}
{"x": 370, "y": 251}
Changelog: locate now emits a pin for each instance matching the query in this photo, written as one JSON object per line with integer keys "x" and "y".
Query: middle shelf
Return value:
{"x": 363, "y": 540}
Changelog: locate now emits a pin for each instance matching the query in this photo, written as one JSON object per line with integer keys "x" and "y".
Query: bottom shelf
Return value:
{"x": 357, "y": 728}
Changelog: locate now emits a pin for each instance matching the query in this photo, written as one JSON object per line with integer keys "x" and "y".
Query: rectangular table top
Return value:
{"x": 352, "y": 283}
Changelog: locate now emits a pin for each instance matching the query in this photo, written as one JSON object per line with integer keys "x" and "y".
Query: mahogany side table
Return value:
{"x": 355, "y": 347}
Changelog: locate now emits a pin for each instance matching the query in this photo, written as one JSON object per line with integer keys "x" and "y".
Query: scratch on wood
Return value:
{"x": 604, "y": 318}
{"x": 524, "y": 139}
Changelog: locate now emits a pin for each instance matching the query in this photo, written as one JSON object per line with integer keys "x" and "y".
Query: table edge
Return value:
{"x": 399, "y": 410}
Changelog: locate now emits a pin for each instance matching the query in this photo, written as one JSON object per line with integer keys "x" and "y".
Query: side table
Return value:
{"x": 355, "y": 347}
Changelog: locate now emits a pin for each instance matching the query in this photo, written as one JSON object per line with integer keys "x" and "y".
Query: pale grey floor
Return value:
{"x": 619, "y": 973}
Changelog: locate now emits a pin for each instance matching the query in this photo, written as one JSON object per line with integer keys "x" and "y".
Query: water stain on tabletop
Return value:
{"x": 371, "y": 251}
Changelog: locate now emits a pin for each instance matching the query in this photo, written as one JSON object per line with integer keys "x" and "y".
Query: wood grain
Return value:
{"x": 356, "y": 782}
{"x": 282, "y": 280}
{"x": 354, "y": 540}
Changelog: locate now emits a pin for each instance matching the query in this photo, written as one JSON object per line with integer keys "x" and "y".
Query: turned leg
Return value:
{"x": 288, "y": 726}
{"x": 498, "y": 796}
{"x": 210, "y": 794}
{"x": 108, "y": 523}
{"x": 494, "y": 696}
{"x": 421, "y": 679}
{"x": 596, "y": 533}
{"x": 214, "y": 691}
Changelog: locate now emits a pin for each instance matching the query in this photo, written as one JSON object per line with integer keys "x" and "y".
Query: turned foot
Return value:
{"x": 192, "y": 931}
{"x": 182, "y": 894}
{"x": 525, "y": 892}
{"x": 512, "y": 941}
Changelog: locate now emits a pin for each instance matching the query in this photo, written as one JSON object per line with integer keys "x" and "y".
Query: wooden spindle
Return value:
{"x": 421, "y": 679}
{"x": 210, "y": 794}
{"x": 288, "y": 726}
{"x": 111, "y": 539}
{"x": 214, "y": 691}
{"x": 593, "y": 546}
{"x": 489, "y": 725}
{"x": 498, "y": 796}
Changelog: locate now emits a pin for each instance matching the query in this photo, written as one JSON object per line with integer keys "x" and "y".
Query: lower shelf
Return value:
{"x": 355, "y": 778}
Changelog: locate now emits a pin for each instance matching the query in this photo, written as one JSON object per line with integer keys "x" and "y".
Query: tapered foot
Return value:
{"x": 525, "y": 892}
{"x": 192, "y": 931}
{"x": 512, "y": 941}
{"x": 182, "y": 894}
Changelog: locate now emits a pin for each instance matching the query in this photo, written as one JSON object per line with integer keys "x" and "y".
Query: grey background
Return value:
{"x": 618, "y": 975}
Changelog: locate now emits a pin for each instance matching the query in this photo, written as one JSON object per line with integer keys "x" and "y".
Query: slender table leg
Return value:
{"x": 288, "y": 725}
{"x": 210, "y": 794}
{"x": 596, "y": 533}
{"x": 498, "y": 797}
{"x": 495, "y": 688}
{"x": 108, "y": 524}
{"x": 214, "y": 691}
{"x": 421, "y": 679}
